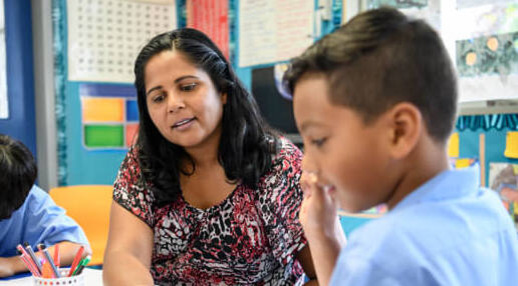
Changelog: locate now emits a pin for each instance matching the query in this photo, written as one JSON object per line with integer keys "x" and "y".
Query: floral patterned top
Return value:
{"x": 250, "y": 238}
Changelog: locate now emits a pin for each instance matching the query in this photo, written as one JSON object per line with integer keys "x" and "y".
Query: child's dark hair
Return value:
{"x": 381, "y": 58}
{"x": 18, "y": 174}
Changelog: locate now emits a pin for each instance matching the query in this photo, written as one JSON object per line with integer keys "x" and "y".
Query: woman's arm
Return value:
{"x": 127, "y": 258}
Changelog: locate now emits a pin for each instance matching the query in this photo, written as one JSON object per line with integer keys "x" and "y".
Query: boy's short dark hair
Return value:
{"x": 381, "y": 58}
{"x": 18, "y": 174}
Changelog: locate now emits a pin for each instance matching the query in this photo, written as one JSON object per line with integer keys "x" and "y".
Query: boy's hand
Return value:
{"x": 6, "y": 267}
{"x": 319, "y": 219}
{"x": 318, "y": 212}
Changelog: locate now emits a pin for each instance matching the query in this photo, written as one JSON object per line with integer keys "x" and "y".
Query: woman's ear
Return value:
{"x": 224, "y": 98}
{"x": 406, "y": 126}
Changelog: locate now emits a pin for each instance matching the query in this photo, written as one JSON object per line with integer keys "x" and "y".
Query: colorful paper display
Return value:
{"x": 104, "y": 136}
{"x": 102, "y": 109}
{"x": 511, "y": 145}
{"x": 109, "y": 115}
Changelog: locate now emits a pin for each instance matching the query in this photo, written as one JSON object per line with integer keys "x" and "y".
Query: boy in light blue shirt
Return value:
{"x": 375, "y": 103}
{"x": 28, "y": 214}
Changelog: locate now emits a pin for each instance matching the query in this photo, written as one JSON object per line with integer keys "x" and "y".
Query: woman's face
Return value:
{"x": 182, "y": 101}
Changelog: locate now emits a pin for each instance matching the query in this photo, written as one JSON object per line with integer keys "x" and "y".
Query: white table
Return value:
{"x": 94, "y": 277}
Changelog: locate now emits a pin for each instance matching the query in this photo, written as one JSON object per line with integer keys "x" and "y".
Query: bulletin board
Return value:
{"x": 95, "y": 45}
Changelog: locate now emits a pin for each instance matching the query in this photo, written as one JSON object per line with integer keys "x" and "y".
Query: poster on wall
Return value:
{"x": 486, "y": 50}
{"x": 481, "y": 37}
{"x": 105, "y": 36}
{"x": 210, "y": 17}
{"x": 4, "y": 102}
{"x": 274, "y": 30}
{"x": 503, "y": 178}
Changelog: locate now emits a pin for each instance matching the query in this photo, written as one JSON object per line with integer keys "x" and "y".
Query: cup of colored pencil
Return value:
{"x": 46, "y": 268}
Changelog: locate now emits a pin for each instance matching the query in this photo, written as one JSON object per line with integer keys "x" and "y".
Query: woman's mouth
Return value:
{"x": 184, "y": 123}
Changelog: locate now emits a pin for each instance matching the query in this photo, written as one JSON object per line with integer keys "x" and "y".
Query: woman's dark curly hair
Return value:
{"x": 247, "y": 143}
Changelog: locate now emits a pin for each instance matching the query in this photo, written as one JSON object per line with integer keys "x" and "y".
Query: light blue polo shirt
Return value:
{"x": 449, "y": 232}
{"x": 38, "y": 220}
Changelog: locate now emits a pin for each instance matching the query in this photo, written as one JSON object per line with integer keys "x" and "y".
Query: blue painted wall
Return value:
{"x": 21, "y": 123}
{"x": 495, "y": 146}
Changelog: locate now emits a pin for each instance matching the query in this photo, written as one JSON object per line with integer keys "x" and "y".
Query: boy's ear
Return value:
{"x": 406, "y": 126}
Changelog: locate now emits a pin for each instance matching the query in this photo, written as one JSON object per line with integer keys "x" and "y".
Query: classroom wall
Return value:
{"x": 79, "y": 165}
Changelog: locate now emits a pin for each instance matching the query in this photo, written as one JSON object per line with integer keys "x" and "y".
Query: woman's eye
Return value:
{"x": 319, "y": 142}
{"x": 158, "y": 98}
{"x": 188, "y": 87}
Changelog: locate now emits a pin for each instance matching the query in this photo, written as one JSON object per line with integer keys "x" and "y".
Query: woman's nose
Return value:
{"x": 174, "y": 102}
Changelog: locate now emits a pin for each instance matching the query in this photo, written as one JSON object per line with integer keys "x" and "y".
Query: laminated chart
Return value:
{"x": 105, "y": 36}
{"x": 274, "y": 30}
{"x": 109, "y": 116}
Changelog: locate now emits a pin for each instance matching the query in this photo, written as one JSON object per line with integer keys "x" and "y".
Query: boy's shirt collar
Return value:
{"x": 449, "y": 184}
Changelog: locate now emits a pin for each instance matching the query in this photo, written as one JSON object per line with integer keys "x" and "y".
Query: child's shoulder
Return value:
{"x": 420, "y": 235}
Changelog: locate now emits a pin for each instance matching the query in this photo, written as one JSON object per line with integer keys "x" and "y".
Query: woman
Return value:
{"x": 208, "y": 195}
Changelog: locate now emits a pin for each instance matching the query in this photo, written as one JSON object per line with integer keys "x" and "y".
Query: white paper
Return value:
{"x": 488, "y": 87}
{"x": 473, "y": 3}
{"x": 274, "y": 30}
{"x": 105, "y": 36}
{"x": 4, "y": 102}
{"x": 484, "y": 20}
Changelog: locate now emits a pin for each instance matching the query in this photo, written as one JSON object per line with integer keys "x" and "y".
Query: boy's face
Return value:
{"x": 344, "y": 152}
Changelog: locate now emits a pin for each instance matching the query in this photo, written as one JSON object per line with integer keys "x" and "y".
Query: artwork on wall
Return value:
{"x": 105, "y": 36}
{"x": 481, "y": 37}
{"x": 488, "y": 55}
{"x": 109, "y": 116}
{"x": 503, "y": 178}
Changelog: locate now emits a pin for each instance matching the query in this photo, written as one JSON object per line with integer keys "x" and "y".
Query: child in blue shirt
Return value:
{"x": 28, "y": 214}
{"x": 375, "y": 103}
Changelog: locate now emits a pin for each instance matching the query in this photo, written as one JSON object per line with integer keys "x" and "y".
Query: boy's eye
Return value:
{"x": 319, "y": 142}
{"x": 188, "y": 87}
